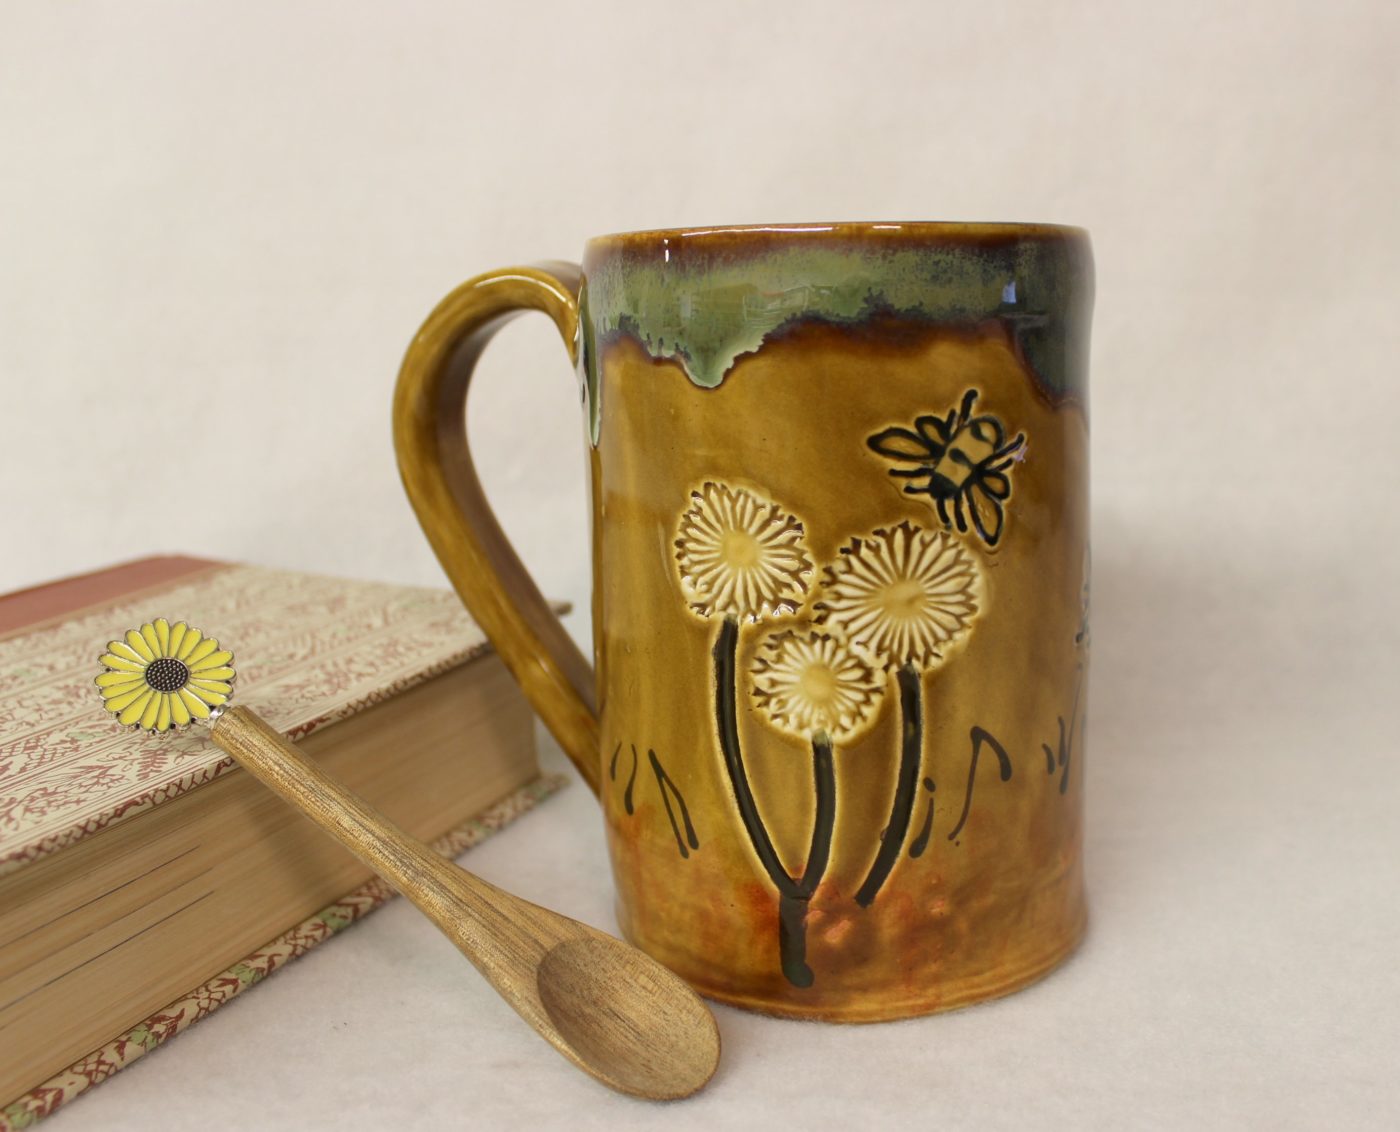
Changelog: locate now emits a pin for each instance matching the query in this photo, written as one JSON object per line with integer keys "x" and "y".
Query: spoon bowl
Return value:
{"x": 603, "y": 1004}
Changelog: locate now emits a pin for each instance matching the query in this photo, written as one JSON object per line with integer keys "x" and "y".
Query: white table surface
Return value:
{"x": 1240, "y": 969}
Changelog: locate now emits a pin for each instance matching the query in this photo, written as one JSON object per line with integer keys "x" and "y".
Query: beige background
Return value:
{"x": 219, "y": 225}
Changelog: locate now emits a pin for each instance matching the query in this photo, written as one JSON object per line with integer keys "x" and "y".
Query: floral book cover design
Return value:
{"x": 319, "y": 649}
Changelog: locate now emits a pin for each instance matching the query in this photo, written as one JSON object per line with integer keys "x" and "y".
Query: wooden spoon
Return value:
{"x": 611, "y": 1010}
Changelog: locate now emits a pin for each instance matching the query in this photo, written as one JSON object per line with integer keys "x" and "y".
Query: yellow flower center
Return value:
{"x": 903, "y": 599}
{"x": 739, "y": 549}
{"x": 818, "y": 684}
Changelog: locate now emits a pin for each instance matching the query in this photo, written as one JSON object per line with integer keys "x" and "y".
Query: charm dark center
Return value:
{"x": 166, "y": 674}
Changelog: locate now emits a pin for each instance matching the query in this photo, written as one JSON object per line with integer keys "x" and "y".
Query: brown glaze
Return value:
{"x": 748, "y": 239}
{"x": 430, "y": 436}
{"x": 799, "y": 664}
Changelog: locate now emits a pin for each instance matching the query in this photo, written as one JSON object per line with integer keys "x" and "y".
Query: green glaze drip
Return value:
{"x": 708, "y": 311}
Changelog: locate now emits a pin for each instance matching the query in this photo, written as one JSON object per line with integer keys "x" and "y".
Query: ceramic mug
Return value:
{"x": 840, "y": 594}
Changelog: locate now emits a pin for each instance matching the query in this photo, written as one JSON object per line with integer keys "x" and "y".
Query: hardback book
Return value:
{"x": 145, "y": 879}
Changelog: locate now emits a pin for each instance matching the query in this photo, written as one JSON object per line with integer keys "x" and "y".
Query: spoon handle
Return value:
{"x": 453, "y": 898}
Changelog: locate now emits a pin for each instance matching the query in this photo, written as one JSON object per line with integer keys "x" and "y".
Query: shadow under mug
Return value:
{"x": 841, "y": 586}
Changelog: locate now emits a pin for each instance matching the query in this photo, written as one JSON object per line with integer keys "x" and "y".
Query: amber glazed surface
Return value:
{"x": 841, "y": 588}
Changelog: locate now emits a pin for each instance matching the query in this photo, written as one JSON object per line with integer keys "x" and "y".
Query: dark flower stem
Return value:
{"x": 824, "y": 776}
{"x": 906, "y": 784}
{"x": 726, "y": 716}
{"x": 792, "y": 910}
{"x": 793, "y": 895}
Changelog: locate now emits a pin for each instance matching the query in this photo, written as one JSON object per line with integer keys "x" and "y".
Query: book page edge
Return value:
{"x": 178, "y": 1016}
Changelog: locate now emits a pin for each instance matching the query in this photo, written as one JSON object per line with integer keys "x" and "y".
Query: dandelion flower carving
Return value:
{"x": 808, "y": 683}
{"x": 882, "y": 616}
{"x": 740, "y": 556}
{"x": 903, "y": 594}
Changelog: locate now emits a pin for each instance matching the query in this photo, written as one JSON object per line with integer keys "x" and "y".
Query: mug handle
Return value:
{"x": 430, "y": 437}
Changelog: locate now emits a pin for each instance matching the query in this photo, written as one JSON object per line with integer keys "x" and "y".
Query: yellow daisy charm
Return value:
{"x": 163, "y": 676}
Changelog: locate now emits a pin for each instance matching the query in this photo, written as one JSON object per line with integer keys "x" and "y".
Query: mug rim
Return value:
{"x": 938, "y": 231}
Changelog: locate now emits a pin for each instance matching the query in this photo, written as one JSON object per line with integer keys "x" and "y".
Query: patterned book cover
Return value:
{"x": 317, "y": 649}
